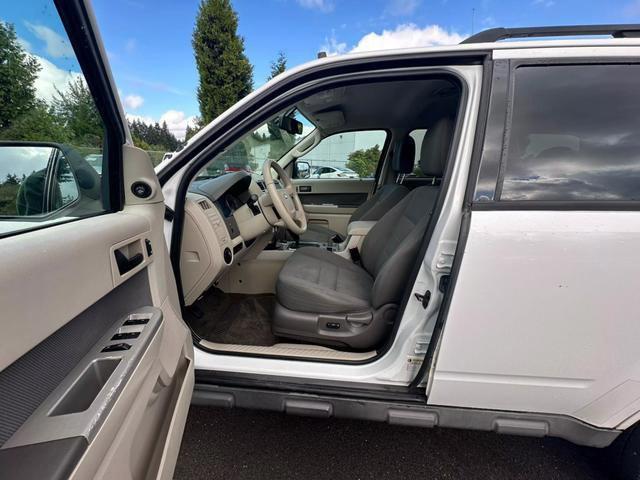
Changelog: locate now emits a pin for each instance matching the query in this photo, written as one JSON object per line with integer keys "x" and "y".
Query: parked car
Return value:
{"x": 495, "y": 289}
{"x": 334, "y": 172}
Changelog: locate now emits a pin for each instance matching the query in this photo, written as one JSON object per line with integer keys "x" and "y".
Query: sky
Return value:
{"x": 149, "y": 41}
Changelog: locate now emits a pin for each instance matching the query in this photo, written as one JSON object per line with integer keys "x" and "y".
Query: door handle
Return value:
{"x": 127, "y": 264}
{"x": 304, "y": 188}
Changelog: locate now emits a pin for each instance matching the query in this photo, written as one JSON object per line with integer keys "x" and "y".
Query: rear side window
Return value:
{"x": 575, "y": 134}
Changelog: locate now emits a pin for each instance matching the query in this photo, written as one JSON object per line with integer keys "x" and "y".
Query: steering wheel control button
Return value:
{"x": 141, "y": 189}
{"x": 228, "y": 256}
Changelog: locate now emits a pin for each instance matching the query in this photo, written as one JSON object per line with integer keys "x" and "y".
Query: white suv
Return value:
{"x": 487, "y": 277}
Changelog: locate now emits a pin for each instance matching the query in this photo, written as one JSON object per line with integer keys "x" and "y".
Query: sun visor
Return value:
{"x": 328, "y": 120}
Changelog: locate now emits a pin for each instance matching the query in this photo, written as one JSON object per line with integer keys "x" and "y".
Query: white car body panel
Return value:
{"x": 540, "y": 319}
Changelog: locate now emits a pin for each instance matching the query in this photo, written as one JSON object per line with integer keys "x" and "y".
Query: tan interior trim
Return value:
{"x": 293, "y": 350}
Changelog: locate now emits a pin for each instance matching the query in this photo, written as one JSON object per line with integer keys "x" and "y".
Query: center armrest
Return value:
{"x": 360, "y": 228}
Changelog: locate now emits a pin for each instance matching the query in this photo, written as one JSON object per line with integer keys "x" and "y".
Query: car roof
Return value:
{"x": 547, "y": 48}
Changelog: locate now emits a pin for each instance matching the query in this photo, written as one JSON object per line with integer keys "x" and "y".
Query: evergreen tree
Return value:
{"x": 191, "y": 131}
{"x": 40, "y": 123}
{"x": 18, "y": 72}
{"x": 78, "y": 111}
{"x": 278, "y": 66}
{"x": 225, "y": 72}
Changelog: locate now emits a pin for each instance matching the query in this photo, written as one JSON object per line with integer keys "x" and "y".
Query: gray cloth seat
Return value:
{"x": 316, "y": 280}
{"x": 324, "y": 298}
{"x": 385, "y": 198}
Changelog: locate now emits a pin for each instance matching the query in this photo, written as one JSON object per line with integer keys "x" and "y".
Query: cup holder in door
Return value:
{"x": 86, "y": 388}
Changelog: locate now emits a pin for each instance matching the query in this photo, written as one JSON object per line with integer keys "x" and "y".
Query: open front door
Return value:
{"x": 96, "y": 370}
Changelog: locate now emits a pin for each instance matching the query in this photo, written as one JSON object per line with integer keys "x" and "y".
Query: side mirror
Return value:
{"x": 290, "y": 125}
{"x": 302, "y": 169}
{"x": 41, "y": 177}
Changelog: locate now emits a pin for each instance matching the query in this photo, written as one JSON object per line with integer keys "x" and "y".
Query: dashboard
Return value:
{"x": 222, "y": 219}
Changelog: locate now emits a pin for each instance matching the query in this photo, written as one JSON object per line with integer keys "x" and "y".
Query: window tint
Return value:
{"x": 346, "y": 155}
{"x": 575, "y": 134}
{"x": 51, "y": 135}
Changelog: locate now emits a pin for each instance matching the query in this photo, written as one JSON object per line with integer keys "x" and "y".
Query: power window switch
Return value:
{"x": 116, "y": 347}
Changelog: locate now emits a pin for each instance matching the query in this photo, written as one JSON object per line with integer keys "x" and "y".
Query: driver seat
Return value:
{"x": 327, "y": 299}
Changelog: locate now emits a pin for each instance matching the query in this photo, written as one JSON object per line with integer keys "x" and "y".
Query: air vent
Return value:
{"x": 262, "y": 185}
{"x": 204, "y": 204}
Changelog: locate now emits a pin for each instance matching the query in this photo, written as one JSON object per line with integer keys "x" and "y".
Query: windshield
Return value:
{"x": 268, "y": 141}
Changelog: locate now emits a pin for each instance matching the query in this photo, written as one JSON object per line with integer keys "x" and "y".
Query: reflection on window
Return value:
{"x": 51, "y": 133}
{"x": 575, "y": 134}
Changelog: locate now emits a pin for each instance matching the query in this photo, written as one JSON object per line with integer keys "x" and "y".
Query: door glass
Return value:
{"x": 51, "y": 134}
{"x": 344, "y": 156}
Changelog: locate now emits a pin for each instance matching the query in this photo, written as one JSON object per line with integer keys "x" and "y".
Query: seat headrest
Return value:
{"x": 435, "y": 147}
{"x": 404, "y": 156}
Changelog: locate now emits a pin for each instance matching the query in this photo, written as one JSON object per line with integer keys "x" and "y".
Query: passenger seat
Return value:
{"x": 385, "y": 198}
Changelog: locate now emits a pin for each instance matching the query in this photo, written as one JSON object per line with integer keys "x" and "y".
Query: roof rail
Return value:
{"x": 495, "y": 34}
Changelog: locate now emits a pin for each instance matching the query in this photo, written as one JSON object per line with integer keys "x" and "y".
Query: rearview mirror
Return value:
{"x": 290, "y": 125}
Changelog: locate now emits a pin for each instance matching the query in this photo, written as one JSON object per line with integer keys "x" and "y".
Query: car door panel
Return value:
{"x": 330, "y": 202}
{"x": 71, "y": 404}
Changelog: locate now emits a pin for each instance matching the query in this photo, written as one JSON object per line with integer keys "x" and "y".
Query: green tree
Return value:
{"x": 278, "y": 66}
{"x": 78, "y": 112}
{"x": 40, "y": 123}
{"x": 18, "y": 72}
{"x": 365, "y": 161}
{"x": 225, "y": 72}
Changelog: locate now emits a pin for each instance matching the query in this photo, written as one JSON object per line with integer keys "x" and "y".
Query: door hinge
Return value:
{"x": 424, "y": 298}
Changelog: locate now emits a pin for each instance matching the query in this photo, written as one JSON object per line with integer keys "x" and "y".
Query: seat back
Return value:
{"x": 390, "y": 248}
{"x": 389, "y": 195}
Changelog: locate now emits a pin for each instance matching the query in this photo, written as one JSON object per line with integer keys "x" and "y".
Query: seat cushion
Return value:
{"x": 316, "y": 280}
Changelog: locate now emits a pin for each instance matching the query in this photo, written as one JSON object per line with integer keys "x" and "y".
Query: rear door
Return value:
{"x": 543, "y": 313}
{"x": 331, "y": 195}
{"x": 96, "y": 369}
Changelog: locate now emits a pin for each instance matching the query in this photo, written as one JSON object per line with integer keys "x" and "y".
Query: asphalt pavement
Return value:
{"x": 230, "y": 444}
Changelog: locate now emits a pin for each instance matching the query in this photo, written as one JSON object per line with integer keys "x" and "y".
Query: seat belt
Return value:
{"x": 355, "y": 256}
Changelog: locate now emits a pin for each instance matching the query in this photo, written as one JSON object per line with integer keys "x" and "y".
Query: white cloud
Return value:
{"x": 407, "y": 36}
{"x": 332, "y": 47}
{"x": 133, "y": 102}
{"x": 402, "y": 7}
{"x": 177, "y": 121}
{"x": 55, "y": 45}
{"x": 24, "y": 44}
{"x": 50, "y": 78}
{"x": 322, "y": 5}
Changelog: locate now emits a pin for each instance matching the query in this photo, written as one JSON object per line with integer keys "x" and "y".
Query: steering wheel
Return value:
{"x": 285, "y": 200}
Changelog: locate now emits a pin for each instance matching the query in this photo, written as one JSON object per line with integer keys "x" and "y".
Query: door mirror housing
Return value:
{"x": 301, "y": 169}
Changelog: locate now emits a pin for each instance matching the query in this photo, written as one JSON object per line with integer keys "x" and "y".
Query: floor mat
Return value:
{"x": 233, "y": 318}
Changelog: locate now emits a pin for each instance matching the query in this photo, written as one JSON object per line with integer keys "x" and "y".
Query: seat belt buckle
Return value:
{"x": 355, "y": 256}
